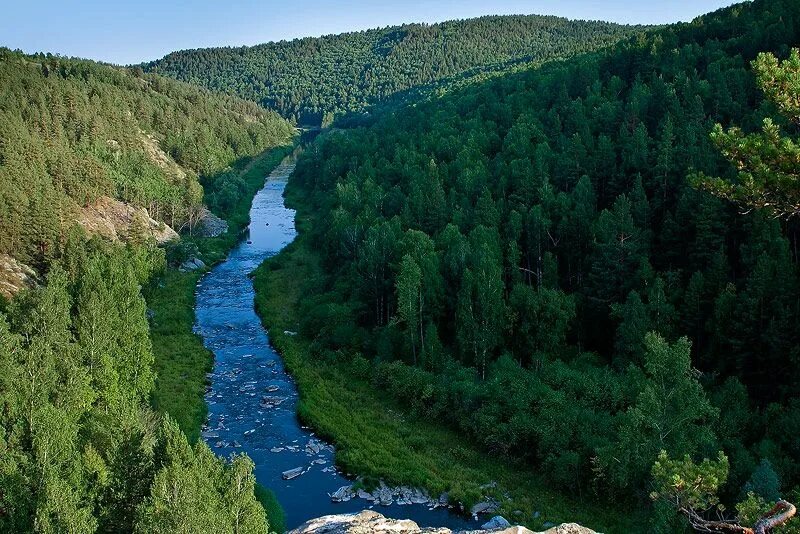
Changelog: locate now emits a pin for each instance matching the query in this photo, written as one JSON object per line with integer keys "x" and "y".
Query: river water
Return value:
{"x": 252, "y": 400}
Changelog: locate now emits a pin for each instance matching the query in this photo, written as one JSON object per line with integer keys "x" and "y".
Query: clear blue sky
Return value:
{"x": 124, "y": 32}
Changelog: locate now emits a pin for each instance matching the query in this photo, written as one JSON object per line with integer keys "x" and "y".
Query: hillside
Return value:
{"x": 73, "y": 131}
{"x": 122, "y": 154}
{"x": 528, "y": 260}
{"x": 312, "y": 79}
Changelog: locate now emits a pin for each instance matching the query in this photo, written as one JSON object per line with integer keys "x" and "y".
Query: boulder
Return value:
{"x": 269, "y": 401}
{"x": 293, "y": 473}
{"x": 496, "y": 523}
{"x": 343, "y": 494}
{"x": 314, "y": 447}
{"x": 209, "y": 225}
{"x": 15, "y": 276}
{"x": 118, "y": 221}
{"x": 383, "y": 495}
{"x": 484, "y": 507}
{"x": 192, "y": 264}
{"x": 361, "y": 523}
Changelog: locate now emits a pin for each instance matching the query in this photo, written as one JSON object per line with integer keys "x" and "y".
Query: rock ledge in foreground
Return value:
{"x": 370, "y": 522}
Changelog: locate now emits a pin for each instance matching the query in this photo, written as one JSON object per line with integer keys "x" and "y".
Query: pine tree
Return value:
{"x": 766, "y": 162}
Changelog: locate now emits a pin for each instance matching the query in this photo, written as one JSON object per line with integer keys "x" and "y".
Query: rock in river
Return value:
{"x": 343, "y": 494}
{"x": 293, "y": 473}
{"x": 484, "y": 507}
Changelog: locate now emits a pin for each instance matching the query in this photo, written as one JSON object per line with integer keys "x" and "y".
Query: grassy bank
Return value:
{"x": 181, "y": 360}
{"x": 376, "y": 439}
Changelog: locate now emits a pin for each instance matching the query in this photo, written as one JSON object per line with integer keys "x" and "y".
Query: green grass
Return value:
{"x": 377, "y": 440}
{"x": 181, "y": 360}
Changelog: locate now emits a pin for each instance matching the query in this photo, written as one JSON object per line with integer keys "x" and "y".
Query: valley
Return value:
{"x": 506, "y": 272}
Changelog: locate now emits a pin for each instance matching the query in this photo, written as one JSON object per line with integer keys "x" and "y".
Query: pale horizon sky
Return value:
{"x": 133, "y": 32}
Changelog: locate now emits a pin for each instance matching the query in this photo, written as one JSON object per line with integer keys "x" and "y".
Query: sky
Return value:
{"x": 127, "y": 32}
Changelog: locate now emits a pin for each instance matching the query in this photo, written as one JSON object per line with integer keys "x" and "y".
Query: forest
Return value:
{"x": 314, "y": 80}
{"x": 570, "y": 246}
{"x": 81, "y": 448}
{"x": 583, "y": 265}
{"x": 73, "y": 130}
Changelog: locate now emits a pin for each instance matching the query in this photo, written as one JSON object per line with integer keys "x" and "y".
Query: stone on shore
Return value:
{"x": 497, "y": 522}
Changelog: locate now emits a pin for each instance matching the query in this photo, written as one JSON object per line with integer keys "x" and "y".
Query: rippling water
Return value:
{"x": 252, "y": 400}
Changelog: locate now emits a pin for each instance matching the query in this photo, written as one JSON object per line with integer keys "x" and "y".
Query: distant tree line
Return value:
{"x": 311, "y": 80}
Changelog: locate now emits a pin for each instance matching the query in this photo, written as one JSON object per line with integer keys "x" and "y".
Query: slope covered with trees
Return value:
{"x": 531, "y": 261}
{"x": 72, "y": 130}
{"x": 313, "y": 79}
{"x": 81, "y": 449}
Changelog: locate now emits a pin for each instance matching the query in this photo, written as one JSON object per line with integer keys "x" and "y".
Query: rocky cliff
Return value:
{"x": 370, "y": 522}
{"x": 116, "y": 221}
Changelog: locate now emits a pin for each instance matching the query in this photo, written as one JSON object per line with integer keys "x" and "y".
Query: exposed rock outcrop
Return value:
{"x": 192, "y": 264}
{"x": 14, "y": 276}
{"x": 161, "y": 158}
{"x": 209, "y": 225}
{"x": 117, "y": 221}
{"x": 370, "y": 522}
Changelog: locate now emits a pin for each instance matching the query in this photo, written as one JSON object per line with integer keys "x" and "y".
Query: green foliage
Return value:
{"x": 689, "y": 486}
{"x": 273, "y": 508}
{"x": 181, "y": 362}
{"x": 552, "y": 211}
{"x": 766, "y": 162}
{"x": 764, "y": 482}
{"x": 314, "y": 79}
{"x": 80, "y": 449}
{"x": 671, "y": 412}
{"x": 196, "y": 491}
{"x": 754, "y": 507}
{"x": 73, "y": 130}
{"x": 692, "y": 489}
{"x": 386, "y": 420}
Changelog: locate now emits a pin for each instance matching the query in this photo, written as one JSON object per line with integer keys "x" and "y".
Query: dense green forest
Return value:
{"x": 313, "y": 79}
{"x": 536, "y": 261}
{"x": 72, "y": 130}
{"x": 81, "y": 449}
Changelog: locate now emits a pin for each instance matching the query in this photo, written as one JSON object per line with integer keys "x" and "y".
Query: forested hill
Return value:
{"x": 81, "y": 449}
{"x": 72, "y": 130}
{"x": 312, "y": 78}
{"x": 503, "y": 253}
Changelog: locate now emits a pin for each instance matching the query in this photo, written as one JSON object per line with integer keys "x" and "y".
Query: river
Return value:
{"x": 252, "y": 400}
